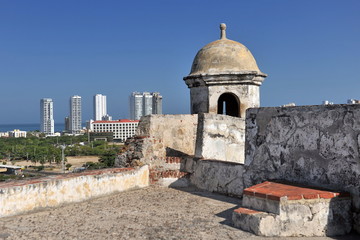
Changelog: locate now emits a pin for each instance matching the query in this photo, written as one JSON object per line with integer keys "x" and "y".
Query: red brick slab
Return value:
{"x": 246, "y": 211}
{"x": 276, "y": 191}
{"x": 156, "y": 174}
{"x": 173, "y": 160}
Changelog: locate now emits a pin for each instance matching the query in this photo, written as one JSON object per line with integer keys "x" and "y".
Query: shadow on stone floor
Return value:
{"x": 351, "y": 236}
{"x": 227, "y": 214}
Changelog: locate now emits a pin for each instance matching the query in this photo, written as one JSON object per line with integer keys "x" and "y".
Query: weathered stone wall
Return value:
{"x": 168, "y": 135}
{"x": 161, "y": 136}
{"x": 22, "y": 196}
{"x": 220, "y": 137}
{"x": 199, "y": 97}
{"x": 162, "y": 141}
{"x": 312, "y": 145}
{"x": 167, "y": 144}
{"x": 215, "y": 176}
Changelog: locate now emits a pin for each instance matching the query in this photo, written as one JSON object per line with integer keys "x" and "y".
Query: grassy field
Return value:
{"x": 75, "y": 161}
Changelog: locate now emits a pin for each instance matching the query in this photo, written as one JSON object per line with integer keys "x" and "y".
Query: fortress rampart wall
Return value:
{"x": 18, "y": 197}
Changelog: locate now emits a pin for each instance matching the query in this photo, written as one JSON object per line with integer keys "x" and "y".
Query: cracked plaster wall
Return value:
{"x": 216, "y": 176}
{"x": 220, "y": 137}
{"x": 175, "y": 131}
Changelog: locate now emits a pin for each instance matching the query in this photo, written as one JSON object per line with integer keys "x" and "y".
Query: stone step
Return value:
{"x": 270, "y": 196}
{"x": 275, "y": 209}
{"x": 257, "y": 222}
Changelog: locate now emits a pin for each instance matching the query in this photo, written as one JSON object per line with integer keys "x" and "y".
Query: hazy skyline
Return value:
{"x": 56, "y": 49}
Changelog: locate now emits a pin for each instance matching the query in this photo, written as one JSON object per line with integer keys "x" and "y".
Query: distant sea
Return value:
{"x": 28, "y": 127}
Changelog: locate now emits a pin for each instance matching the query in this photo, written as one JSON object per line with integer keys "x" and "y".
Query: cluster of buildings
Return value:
{"x": 141, "y": 104}
{"x": 16, "y": 133}
{"x": 73, "y": 123}
{"x": 325, "y": 102}
{"x": 145, "y": 103}
{"x": 349, "y": 101}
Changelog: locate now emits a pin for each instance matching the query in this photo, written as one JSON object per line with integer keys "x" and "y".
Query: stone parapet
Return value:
{"x": 23, "y": 196}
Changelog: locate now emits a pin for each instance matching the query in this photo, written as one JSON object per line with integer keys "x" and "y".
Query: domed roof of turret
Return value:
{"x": 224, "y": 56}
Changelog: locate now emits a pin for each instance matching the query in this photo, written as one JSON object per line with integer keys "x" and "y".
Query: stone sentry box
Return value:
{"x": 224, "y": 81}
{"x": 224, "y": 78}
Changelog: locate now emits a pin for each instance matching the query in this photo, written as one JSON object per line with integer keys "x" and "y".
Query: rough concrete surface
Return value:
{"x": 148, "y": 213}
{"x": 220, "y": 137}
{"x": 216, "y": 176}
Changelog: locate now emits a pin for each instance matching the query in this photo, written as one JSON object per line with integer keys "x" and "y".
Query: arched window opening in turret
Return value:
{"x": 228, "y": 104}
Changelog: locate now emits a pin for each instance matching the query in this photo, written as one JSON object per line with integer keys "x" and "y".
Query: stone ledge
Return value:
{"x": 277, "y": 191}
{"x": 259, "y": 223}
{"x": 156, "y": 174}
{"x": 63, "y": 176}
{"x": 18, "y": 198}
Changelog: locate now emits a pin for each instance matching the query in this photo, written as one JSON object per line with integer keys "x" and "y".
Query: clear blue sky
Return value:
{"x": 310, "y": 49}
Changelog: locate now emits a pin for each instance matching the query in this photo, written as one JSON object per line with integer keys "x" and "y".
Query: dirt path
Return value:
{"x": 150, "y": 213}
{"x": 78, "y": 161}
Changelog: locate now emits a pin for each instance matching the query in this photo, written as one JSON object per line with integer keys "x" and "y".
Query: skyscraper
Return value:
{"x": 99, "y": 107}
{"x": 157, "y": 103}
{"x": 136, "y": 105}
{"x": 67, "y": 124}
{"x": 75, "y": 114}
{"x": 142, "y": 104}
{"x": 147, "y": 103}
{"x": 47, "y": 116}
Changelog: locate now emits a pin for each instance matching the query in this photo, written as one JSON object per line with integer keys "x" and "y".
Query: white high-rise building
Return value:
{"x": 142, "y": 104}
{"x": 136, "y": 105}
{"x": 75, "y": 114}
{"x": 47, "y": 116}
{"x": 157, "y": 103}
{"x": 99, "y": 107}
{"x": 147, "y": 103}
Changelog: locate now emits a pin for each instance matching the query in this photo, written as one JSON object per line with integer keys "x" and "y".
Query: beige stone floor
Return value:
{"x": 149, "y": 213}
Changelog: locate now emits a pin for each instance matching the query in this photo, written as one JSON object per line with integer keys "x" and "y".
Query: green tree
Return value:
{"x": 108, "y": 158}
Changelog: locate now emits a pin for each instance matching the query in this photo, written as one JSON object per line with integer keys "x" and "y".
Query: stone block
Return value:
{"x": 217, "y": 176}
{"x": 220, "y": 137}
{"x": 261, "y": 204}
{"x": 257, "y": 222}
{"x": 294, "y": 211}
